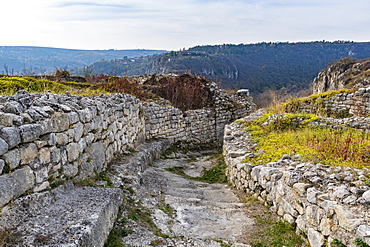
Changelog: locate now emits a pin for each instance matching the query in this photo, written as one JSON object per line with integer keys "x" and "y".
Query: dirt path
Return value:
{"x": 170, "y": 210}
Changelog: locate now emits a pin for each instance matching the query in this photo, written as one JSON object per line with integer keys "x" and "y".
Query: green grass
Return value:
{"x": 216, "y": 174}
{"x": 10, "y": 85}
{"x": 114, "y": 238}
{"x": 293, "y": 104}
{"x": 278, "y": 234}
{"x": 336, "y": 147}
{"x": 102, "y": 176}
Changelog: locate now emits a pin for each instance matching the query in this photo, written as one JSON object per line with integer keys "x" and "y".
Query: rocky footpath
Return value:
{"x": 183, "y": 212}
{"x": 323, "y": 202}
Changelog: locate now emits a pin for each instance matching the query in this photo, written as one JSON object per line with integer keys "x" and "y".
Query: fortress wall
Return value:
{"x": 46, "y": 137}
{"x": 356, "y": 104}
{"x": 323, "y": 202}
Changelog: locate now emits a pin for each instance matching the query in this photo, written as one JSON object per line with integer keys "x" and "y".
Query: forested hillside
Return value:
{"x": 28, "y": 60}
{"x": 255, "y": 66}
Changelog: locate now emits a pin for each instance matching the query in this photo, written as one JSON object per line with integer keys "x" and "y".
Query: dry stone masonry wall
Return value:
{"x": 324, "y": 202}
{"x": 197, "y": 126}
{"x": 342, "y": 104}
{"x": 48, "y": 137}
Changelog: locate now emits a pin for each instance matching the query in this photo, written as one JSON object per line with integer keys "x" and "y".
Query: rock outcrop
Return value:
{"x": 346, "y": 73}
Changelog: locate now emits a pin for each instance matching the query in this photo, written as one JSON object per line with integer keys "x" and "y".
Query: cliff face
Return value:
{"x": 346, "y": 73}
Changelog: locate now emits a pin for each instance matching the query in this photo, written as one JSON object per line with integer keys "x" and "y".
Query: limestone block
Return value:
{"x": 30, "y": 132}
{"x": 72, "y": 151}
{"x": 288, "y": 208}
{"x": 29, "y": 153}
{"x": 302, "y": 224}
{"x": 51, "y": 139}
{"x": 61, "y": 139}
{"x": 79, "y": 130}
{"x": 60, "y": 121}
{"x": 14, "y": 185}
{"x": 366, "y": 195}
{"x": 12, "y": 158}
{"x": 314, "y": 214}
{"x": 48, "y": 109}
{"x": 89, "y": 138}
{"x": 288, "y": 218}
{"x": 255, "y": 172}
{"x": 300, "y": 188}
{"x": 11, "y": 135}
{"x": 44, "y": 155}
{"x": 45, "y": 185}
{"x": 85, "y": 115}
{"x": 70, "y": 169}
{"x": 311, "y": 195}
{"x": 328, "y": 206}
{"x": 73, "y": 117}
{"x": 81, "y": 145}
{"x": 341, "y": 192}
{"x": 86, "y": 170}
{"x": 97, "y": 153}
{"x": 13, "y": 107}
{"x": 6, "y": 119}
{"x": 40, "y": 144}
{"x": 54, "y": 155}
{"x": 325, "y": 226}
{"x": 2, "y": 164}
{"x": 41, "y": 175}
{"x": 3, "y": 146}
{"x": 65, "y": 108}
{"x": 363, "y": 232}
{"x": 315, "y": 238}
{"x": 63, "y": 156}
{"x": 347, "y": 219}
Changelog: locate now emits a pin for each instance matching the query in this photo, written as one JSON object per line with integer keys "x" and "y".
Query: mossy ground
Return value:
{"x": 10, "y": 85}
{"x": 268, "y": 230}
{"x": 216, "y": 174}
{"x": 331, "y": 146}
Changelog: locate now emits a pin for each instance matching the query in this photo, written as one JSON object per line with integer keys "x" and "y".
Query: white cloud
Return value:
{"x": 165, "y": 24}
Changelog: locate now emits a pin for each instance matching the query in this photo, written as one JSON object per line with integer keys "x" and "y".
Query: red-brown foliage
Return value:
{"x": 185, "y": 92}
{"x": 125, "y": 85}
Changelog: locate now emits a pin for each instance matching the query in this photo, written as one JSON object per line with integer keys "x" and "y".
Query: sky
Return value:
{"x": 174, "y": 24}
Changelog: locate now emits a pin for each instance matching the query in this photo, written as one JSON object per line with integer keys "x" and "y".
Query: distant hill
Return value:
{"x": 28, "y": 60}
{"x": 255, "y": 66}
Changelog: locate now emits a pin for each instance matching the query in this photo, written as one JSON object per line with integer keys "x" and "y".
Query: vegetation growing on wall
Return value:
{"x": 285, "y": 135}
{"x": 10, "y": 85}
{"x": 186, "y": 92}
{"x": 293, "y": 104}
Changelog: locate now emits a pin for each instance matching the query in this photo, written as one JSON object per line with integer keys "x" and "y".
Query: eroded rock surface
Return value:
{"x": 67, "y": 216}
{"x": 201, "y": 214}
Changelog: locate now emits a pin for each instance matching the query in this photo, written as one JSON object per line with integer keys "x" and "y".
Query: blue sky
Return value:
{"x": 173, "y": 25}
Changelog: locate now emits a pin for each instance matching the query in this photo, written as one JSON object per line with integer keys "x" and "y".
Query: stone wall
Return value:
{"x": 323, "y": 202}
{"x": 196, "y": 126}
{"x": 356, "y": 103}
{"x": 47, "y": 137}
